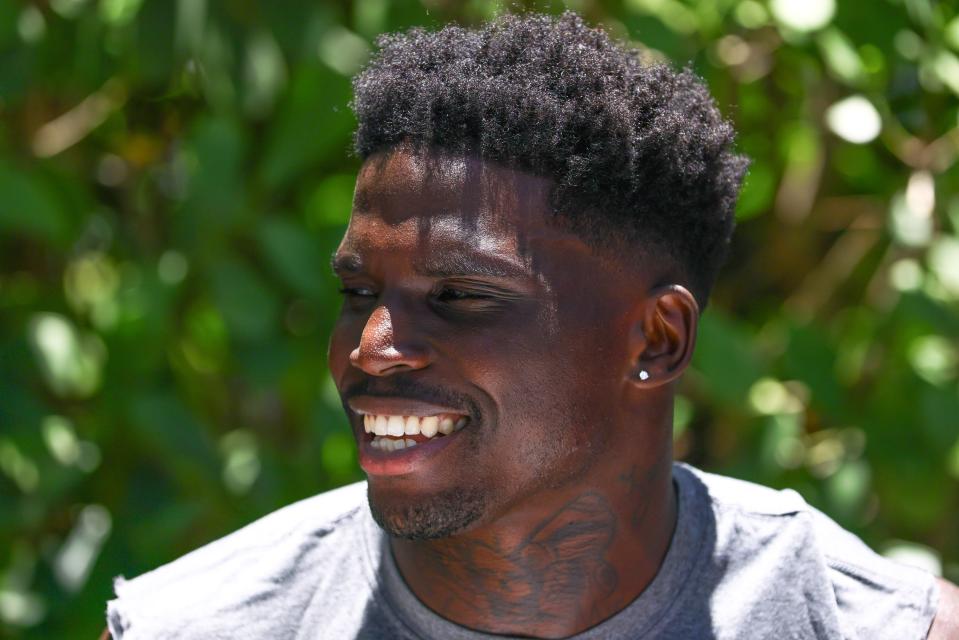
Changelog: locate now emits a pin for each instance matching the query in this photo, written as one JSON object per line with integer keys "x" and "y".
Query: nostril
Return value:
{"x": 386, "y": 360}
{"x": 381, "y": 366}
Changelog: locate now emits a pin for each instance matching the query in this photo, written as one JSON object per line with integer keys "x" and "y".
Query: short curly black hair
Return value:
{"x": 638, "y": 152}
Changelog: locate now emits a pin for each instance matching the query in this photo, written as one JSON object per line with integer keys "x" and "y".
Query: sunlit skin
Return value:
{"x": 461, "y": 291}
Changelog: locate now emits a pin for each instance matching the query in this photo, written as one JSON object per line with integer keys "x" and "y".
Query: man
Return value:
{"x": 536, "y": 226}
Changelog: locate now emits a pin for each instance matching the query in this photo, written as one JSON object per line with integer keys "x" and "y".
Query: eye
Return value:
{"x": 357, "y": 292}
{"x": 358, "y": 298}
{"x": 450, "y": 294}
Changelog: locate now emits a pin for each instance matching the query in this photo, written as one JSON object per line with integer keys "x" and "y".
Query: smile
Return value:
{"x": 401, "y": 436}
{"x": 394, "y": 432}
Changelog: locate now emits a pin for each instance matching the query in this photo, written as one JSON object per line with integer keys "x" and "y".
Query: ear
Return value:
{"x": 662, "y": 337}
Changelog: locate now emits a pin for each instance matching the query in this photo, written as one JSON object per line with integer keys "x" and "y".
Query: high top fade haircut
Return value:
{"x": 640, "y": 157}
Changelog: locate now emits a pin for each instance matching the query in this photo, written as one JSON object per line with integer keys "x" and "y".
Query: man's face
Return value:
{"x": 467, "y": 311}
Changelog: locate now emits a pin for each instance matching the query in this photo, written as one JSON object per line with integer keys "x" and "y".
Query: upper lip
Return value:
{"x": 395, "y": 406}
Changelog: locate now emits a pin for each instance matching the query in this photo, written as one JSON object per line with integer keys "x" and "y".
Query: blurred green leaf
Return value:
{"x": 119, "y": 12}
{"x": 8, "y": 23}
{"x": 313, "y": 120}
{"x": 213, "y": 158}
{"x": 758, "y": 190}
{"x": 168, "y": 425}
{"x": 30, "y": 207}
{"x": 725, "y": 358}
{"x": 848, "y": 489}
{"x": 329, "y": 205}
{"x": 294, "y": 255}
{"x": 248, "y": 305}
{"x": 841, "y": 57}
{"x": 811, "y": 358}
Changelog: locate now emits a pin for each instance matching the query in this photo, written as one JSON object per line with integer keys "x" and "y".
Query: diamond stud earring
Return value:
{"x": 644, "y": 375}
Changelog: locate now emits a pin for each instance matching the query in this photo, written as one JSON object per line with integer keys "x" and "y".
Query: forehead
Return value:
{"x": 440, "y": 215}
{"x": 451, "y": 199}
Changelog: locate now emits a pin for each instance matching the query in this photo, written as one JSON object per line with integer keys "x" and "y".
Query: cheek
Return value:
{"x": 538, "y": 385}
{"x": 550, "y": 430}
{"x": 566, "y": 385}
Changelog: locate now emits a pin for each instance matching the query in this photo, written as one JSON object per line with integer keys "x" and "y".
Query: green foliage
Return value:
{"x": 174, "y": 176}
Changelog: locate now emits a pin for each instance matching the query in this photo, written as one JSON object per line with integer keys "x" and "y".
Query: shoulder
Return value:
{"x": 776, "y": 539}
{"x": 730, "y": 494}
{"x": 946, "y": 624}
{"x": 316, "y": 517}
{"x": 263, "y": 564}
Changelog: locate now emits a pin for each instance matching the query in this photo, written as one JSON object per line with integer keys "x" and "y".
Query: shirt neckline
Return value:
{"x": 647, "y": 612}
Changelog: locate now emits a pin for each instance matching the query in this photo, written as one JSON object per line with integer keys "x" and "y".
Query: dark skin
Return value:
{"x": 458, "y": 281}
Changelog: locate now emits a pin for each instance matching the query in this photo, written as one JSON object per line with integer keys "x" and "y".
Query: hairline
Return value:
{"x": 629, "y": 253}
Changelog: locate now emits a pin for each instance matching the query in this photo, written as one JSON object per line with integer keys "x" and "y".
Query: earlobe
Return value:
{"x": 663, "y": 336}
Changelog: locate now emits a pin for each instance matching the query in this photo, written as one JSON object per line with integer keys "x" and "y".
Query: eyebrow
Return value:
{"x": 444, "y": 265}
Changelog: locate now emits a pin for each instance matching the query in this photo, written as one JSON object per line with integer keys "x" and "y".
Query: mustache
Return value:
{"x": 403, "y": 387}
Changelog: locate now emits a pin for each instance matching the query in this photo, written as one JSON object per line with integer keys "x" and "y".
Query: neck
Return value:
{"x": 557, "y": 564}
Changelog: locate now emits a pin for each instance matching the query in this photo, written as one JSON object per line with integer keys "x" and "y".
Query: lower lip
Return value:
{"x": 376, "y": 462}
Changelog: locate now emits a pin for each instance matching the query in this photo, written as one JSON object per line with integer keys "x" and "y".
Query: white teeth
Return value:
{"x": 390, "y": 444}
{"x": 428, "y": 426}
{"x": 395, "y": 426}
{"x": 399, "y": 426}
{"x": 446, "y": 426}
{"x": 412, "y": 427}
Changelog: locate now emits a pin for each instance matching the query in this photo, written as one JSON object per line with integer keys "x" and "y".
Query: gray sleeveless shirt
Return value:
{"x": 745, "y": 562}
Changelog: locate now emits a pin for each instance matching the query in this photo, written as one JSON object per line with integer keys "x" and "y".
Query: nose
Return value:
{"x": 381, "y": 354}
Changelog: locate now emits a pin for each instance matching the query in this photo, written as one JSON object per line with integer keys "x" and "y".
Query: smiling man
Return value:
{"x": 536, "y": 227}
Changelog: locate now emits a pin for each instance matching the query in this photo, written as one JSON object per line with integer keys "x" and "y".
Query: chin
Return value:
{"x": 432, "y": 517}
